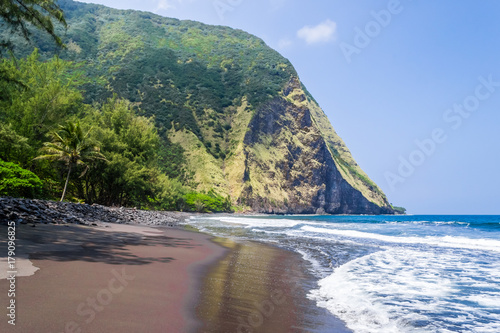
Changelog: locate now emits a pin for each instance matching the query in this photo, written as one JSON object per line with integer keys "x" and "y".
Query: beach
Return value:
{"x": 127, "y": 278}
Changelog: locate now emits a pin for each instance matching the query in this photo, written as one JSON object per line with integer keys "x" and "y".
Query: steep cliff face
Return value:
{"x": 247, "y": 126}
{"x": 286, "y": 159}
{"x": 296, "y": 163}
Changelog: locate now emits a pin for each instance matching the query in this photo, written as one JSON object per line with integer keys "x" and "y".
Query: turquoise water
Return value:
{"x": 391, "y": 273}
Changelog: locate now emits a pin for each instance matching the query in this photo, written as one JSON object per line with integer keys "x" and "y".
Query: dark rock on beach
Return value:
{"x": 24, "y": 211}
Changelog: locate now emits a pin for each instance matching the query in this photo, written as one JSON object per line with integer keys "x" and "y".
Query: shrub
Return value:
{"x": 210, "y": 202}
{"x": 18, "y": 182}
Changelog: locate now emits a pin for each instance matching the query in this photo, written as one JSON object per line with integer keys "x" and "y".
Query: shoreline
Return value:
{"x": 70, "y": 256}
{"x": 126, "y": 278}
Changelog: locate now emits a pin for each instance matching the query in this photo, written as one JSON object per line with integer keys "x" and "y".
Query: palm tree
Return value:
{"x": 71, "y": 146}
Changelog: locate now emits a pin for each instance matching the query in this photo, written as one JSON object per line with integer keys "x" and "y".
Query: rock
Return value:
{"x": 41, "y": 211}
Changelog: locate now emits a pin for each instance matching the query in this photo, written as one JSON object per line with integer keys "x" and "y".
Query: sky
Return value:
{"x": 411, "y": 86}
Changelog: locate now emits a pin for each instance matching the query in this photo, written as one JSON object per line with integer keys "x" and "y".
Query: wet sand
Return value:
{"x": 140, "y": 279}
{"x": 261, "y": 288}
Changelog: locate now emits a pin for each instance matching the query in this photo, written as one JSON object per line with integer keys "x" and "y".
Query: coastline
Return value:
{"x": 130, "y": 278}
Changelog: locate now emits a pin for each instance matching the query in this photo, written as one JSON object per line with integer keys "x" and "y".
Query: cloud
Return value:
{"x": 322, "y": 33}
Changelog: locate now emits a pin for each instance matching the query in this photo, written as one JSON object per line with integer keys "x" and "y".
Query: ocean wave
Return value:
{"x": 256, "y": 222}
{"x": 404, "y": 290}
{"x": 445, "y": 241}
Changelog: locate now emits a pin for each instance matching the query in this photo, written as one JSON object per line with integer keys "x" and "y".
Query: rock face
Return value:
{"x": 23, "y": 211}
{"x": 296, "y": 163}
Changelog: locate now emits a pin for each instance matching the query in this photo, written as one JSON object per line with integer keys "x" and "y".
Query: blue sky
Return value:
{"x": 412, "y": 86}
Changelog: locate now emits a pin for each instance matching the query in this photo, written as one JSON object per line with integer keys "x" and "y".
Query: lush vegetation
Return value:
{"x": 178, "y": 71}
{"x": 77, "y": 122}
{"x": 72, "y": 147}
{"x": 128, "y": 78}
{"x": 103, "y": 153}
{"x": 19, "y": 182}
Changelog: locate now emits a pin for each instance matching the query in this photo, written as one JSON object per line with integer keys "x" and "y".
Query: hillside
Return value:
{"x": 240, "y": 120}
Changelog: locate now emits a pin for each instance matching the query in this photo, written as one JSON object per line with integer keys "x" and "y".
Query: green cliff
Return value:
{"x": 242, "y": 120}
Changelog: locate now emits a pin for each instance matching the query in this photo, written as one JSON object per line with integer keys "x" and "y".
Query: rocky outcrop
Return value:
{"x": 24, "y": 211}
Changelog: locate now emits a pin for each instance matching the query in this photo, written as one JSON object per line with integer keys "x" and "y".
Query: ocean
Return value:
{"x": 423, "y": 273}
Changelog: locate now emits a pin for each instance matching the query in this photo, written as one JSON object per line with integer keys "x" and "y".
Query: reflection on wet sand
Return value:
{"x": 260, "y": 288}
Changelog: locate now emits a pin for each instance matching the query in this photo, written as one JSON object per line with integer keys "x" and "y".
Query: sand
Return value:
{"x": 121, "y": 280}
{"x": 126, "y": 278}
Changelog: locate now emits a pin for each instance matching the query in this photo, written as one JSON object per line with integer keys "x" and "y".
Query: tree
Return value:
{"x": 50, "y": 95}
{"x": 130, "y": 143}
{"x": 18, "y": 15}
{"x": 13, "y": 147}
{"x": 72, "y": 147}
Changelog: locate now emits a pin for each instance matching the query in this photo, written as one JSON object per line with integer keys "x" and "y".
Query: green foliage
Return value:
{"x": 19, "y": 15}
{"x": 399, "y": 210}
{"x": 171, "y": 160}
{"x": 49, "y": 93}
{"x": 130, "y": 144}
{"x": 13, "y": 147}
{"x": 40, "y": 97}
{"x": 132, "y": 175}
{"x": 169, "y": 194}
{"x": 141, "y": 168}
{"x": 210, "y": 202}
{"x": 185, "y": 74}
{"x": 174, "y": 70}
{"x": 18, "y": 182}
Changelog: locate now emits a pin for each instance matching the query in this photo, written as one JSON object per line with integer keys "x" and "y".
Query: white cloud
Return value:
{"x": 322, "y": 33}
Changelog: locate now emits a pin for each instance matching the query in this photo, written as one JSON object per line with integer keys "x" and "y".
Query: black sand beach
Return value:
{"x": 125, "y": 278}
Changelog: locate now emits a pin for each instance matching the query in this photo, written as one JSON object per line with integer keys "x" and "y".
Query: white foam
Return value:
{"x": 486, "y": 300}
{"x": 253, "y": 222}
{"x": 343, "y": 296}
{"x": 446, "y": 241}
{"x": 388, "y": 290}
{"x": 315, "y": 263}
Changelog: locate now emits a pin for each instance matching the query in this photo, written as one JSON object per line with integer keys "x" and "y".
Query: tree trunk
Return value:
{"x": 66, "y": 185}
